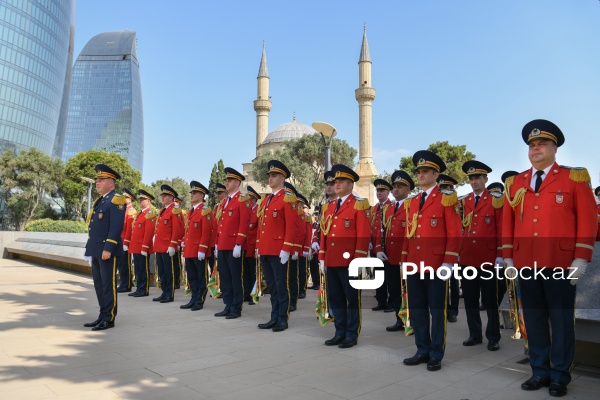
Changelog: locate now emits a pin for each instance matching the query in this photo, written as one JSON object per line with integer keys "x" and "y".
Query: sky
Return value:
{"x": 470, "y": 72}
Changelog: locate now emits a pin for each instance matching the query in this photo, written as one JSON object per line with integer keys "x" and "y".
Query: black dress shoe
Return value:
{"x": 451, "y": 318}
{"x": 103, "y": 325}
{"x": 186, "y": 306}
{"x": 131, "y": 294}
{"x": 197, "y": 307}
{"x": 535, "y": 382}
{"x": 177, "y": 286}
{"x": 159, "y": 298}
{"x": 302, "y": 295}
{"x": 347, "y": 343}
{"x": 268, "y": 325}
{"x": 233, "y": 315}
{"x": 92, "y": 324}
{"x": 434, "y": 364}
{"x": 379, "y": 308}
{"x": 250, "y": 303}
{"x": 223, "y": 313}
{"x": 334, "y": 341}
{"x": 398, "y": 326}
{"x": 123, "y": 290}
{"x": 557, "y": 388}
{"x": 292, "y": 308}
{"x": 493, "y": 346}
{"x": 389, "y": 310}
{"x": 167, "y": 300}
{"x": 280, "y": 327}
{"x": 416, "y": 359}
{"x": 315, "y": 287}
{"x": 136, "y": 294}
{"x": 472, "y": 341}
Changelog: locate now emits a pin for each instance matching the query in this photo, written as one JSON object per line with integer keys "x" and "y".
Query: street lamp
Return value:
{"x": 327, "y": 131}
{"x": 90, "y": 182}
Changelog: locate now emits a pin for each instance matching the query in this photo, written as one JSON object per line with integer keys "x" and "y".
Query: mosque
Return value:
{"x": 271, "y": 141}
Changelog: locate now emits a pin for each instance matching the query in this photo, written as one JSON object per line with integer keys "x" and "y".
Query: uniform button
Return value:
{"x": 332, "y": 244}
{"x": 420, "y": 215}
{"x": 474, "y": 241}
{"x": 535, "y": 207}
{"x": 334, "y": 226}
{"x": 475, "y": 215}
{"x": 537, "y": 195}
{"x": 335, "y": 218}
{"x": 418, "y": 226}
{"x": 475, "y": 223}
{"x": 474, "y": 232}
{"x": 263, "y": 232}
{"x": 535, "y": 220}
{"x": 418, "y": 247}
{"x": 535, "y": 233}
{"x": 418, "y": 236}
{"x": 394, "y": 218}
{"x": 333, "y": 234}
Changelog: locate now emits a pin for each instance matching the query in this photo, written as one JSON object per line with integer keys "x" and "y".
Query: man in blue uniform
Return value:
{"x": 104, "y": 245}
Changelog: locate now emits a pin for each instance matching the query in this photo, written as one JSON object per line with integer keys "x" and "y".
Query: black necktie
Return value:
{"x": 162, "y": 211}
{"x": 538, "y": 180}
{"x": 191, "y": 211}
{"x": 423, "y": 196}
{"x": 270, "y": 198}
{"x": 476, "y": 200}
{"x": 339, "y": 203}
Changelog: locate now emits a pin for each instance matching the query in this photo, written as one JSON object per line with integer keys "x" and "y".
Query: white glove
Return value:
{"x": 295, "y": 256}
{"x": 315, "y": 246}
{"x": 499, "y": 261}
{"x": 201, "y": 255}
{"x": 182, "y": 244}
{"x": 448, "y": 266}
{"x": 305, "y": 254}
{"x": 322, "y": 266}
{"x": 144, "y": 254}
{"x": 125, "y": 248}
{"x": 216, "y": 251}
{"x": 284, "y": 256}
{"x": 509, "y": 271}
{"x": 87, "y": 258}
{"x": 370, "y": 246}
{"x": 381, "y": 255}
{"x": 237, "y": 251}
{"x": 171, "y": 251}
{"x": 577, "y": 269}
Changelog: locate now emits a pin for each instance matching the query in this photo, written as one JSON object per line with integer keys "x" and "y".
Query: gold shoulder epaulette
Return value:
{"x": 176, "y": 210}
{"x": 132, "y": 212}
{"x": 118, "y": 199}
{"x": 290, "y": 197}
{"x": 206, "y": 211}
{"x": 449, "y": 197}
{"x": 498, "y": 202}
{"x": 578, "y": 174}
{"x": 150, "y": 215}
{"x": 244, "y": 198}
{"x": 361, "y": 204}
{"x": 300, "y": 211}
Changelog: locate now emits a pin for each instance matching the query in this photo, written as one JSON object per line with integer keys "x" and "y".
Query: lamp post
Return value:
{"x": 90, "y": 182}
{"x": 327, "y": 131}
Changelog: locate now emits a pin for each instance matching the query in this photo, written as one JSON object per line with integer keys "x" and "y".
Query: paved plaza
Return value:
{"x": 159, "y": 351}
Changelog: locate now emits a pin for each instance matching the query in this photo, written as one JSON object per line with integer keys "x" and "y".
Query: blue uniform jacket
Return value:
{"x": 106, "y": 225}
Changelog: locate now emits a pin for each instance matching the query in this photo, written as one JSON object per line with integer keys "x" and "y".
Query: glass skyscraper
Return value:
{"x": 34, "y": 58}
{"x": 105, "y": 107}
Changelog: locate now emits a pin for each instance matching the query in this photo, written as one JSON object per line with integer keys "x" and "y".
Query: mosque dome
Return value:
{"x": 288, "y": 131}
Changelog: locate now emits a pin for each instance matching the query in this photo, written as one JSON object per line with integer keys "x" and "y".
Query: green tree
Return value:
{"x": 29, "y": 181}
{"x": 454, "y": 156}
{"x": 181, "y": 186}
{"x": 304, "y": 157}
{"x": 74, "y": 190}
{"x": 217, "y": 175}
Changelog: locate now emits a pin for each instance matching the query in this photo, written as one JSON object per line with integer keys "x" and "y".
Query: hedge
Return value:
{"x": 49, "y": 225}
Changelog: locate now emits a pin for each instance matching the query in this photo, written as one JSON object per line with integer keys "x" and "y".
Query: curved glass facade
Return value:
{"x": 34, "y": 51}
{"x": 105, "y": 106}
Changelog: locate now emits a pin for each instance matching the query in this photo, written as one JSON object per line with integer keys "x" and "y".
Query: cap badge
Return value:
{"x": 535, "y": 132}
{"x": 471, "y": 170}
{"x": 421, "y": 161}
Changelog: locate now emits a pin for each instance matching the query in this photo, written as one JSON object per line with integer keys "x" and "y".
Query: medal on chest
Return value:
{"x": 559, "y": 197}
{"x": 433, "y": 222}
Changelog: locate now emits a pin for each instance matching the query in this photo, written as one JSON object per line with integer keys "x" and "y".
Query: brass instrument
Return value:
{"x": 515, "y": 309}
{"x": 214, "y": 284}
{"x": 322, "y": 307}
{"x": 259, "y": 284}
{"x": 404, "y": 314}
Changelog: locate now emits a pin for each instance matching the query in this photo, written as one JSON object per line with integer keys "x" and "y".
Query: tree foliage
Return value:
{"x": 217, "y": 175}
{"x": 181, "y": 186}
{"x": 28, "y": 180}
{"x": 305, "y": 158}
{"x": 74, "y": 190}
{"x": 453, "y": 155}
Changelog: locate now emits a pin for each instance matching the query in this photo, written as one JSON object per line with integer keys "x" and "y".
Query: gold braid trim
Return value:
{"x": 326, "y": 225}
{"x": 497, "y": 202}
{"x": 362, "y": 204}
{"x": 118, "y": 199}
{"x": 449, "y": 200}
{"x": 300, "y": 211}
{"x": 466, "y": 222}
{"x": 206, "y": 211}
{"x": 89, "y": 217}
{"x": 411, "y": 226}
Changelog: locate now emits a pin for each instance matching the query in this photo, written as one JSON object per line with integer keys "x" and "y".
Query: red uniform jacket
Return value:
{"x": 250, "y": 246}
{"x": 308, "y": 232}
{"x": 198, "y": 232}
{"x": 377, "y": 226}
{"x": 216, "y": 214}
{"x": 598, "y": 234}
{"x": 347, "y": 231}
{"x": 482, "y": 234}
{"x": 169, "y": 228}
{"x": 233, "y": 222}
{"x": 278, "y": 224}
{"x": 432, "y": 234}
{"x": 130, "y": 214}
{"x": 395, "y": 231}
{"x": 142, "y": 232}
{"x": 551, "y": 227}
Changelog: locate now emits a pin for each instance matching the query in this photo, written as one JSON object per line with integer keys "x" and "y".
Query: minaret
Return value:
{"x": 262, "y": 104}
{"x": 365, "y": 94}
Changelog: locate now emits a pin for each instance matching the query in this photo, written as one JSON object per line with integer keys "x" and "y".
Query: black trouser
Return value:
{"x": 231, "y": 270}
{"x": 277, "y": 276}
{"x": 501, "y": 290}
{"x": 124, "y": 266}
{"x": 104, "y": 273}
{"x": 293, "y": 281}
{"x": 177, "y": 268}
{"x": 302, "y": 273}
{"x": 211, "y": 260}
{"x": 344, "y": 301}
{"x": 314, "y": 271}
{"x": 551, "y": 347}
{"x": 166, "y": 270}
{"x": 381, "y": 294}
{"x": 428, "y": 297}
{"x": 489, "y": 296}
{"x": 453, "y": 296}
{"x": 140, "y": 263}
{"x": 197, "y": 278}
{"x": 249, "y": 275}
{"x": 392, "y": 277}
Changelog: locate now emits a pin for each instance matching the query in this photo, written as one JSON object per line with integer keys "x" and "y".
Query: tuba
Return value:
{"x": 515, "y": 309}
{"x": 322, "y": 307}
